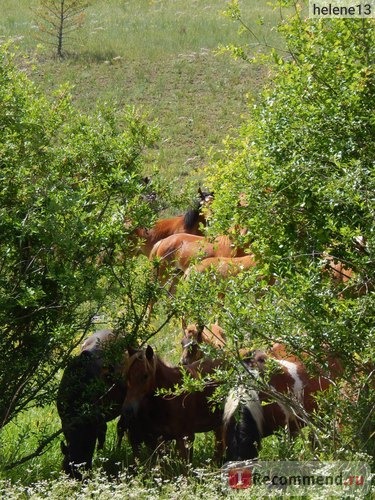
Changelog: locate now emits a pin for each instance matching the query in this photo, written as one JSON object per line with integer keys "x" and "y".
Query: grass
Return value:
{"x": 159, "y": 56}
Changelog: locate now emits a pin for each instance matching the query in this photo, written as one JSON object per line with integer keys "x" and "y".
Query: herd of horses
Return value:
{"x": 137, "y": 386}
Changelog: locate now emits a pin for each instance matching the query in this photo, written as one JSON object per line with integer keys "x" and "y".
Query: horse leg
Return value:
{"x": 219, "y": 445}
{"x": 121, "y": 429}
{"x": 161, "y": 275}
{"x": 135, "y": 441}
{"x": 102, "y": 430}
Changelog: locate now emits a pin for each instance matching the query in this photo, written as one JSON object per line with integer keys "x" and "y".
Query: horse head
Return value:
{"x": 205, "y": 197}
{"x": 190, "y": 344}
{"x": 140, "y": 379}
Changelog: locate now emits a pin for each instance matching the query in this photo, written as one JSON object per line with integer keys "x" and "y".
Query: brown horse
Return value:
{"x": 337, "y": 270}
{"x": 346, "y": 278}
{"x": 169, "y": 417}
{"x": 287, "y": 399}
{"x": 213, "y": 336}
{"x": 190, "y": 223}
{"x": 195, "y": 335}
{"x": 177, "y": 252}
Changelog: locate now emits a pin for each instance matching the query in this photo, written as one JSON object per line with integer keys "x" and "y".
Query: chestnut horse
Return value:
{"x": 288, "y": 399}
{"x": 169, "y": 417}
{"x": 178, "y": 251}
{"x": 188, "y": 223}
{"x": 91, "y": 393}
{"x": 194, "y": 335}
{"x": 343, "y": 275}
{"x": 213, "y": 336}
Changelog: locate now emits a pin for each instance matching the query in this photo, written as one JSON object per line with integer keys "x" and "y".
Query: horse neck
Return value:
{"x": 166, "y": 376}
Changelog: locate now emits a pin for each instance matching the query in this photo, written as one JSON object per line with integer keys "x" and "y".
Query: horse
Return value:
{"x": 169, "y": 417}
{"x": 287, "y": 399}
{"x": 213, "y": 336}
{"x": 344, "y": 277}
{"x": 190, "y": 223}
{"x": 195, "y": 335}
{"x": 90, "y": 394}
{"x": 177, "y": 252}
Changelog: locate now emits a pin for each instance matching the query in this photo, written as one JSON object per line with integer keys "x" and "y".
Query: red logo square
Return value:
{"x": 240, "y": 478}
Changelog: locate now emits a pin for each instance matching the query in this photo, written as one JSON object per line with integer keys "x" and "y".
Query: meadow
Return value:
{"x": 163, "y": 57}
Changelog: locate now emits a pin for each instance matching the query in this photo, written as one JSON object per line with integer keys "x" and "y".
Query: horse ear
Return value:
{"x": 149, "y": 353}
{"x": 64, "y": 448}
{"x": 200, "y": 192}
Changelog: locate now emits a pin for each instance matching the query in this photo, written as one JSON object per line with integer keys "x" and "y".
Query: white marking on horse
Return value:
{"x": 250, "y": 399}
{"x": 292, "y": 370}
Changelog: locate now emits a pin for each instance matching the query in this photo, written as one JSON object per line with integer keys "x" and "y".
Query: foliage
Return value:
{"x": 68, "y": 184}
{"x": 300, "y": 179}
{"x": 57, "y": 19}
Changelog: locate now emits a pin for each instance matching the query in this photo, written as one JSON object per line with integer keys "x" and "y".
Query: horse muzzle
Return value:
{"x": 129, "y": 412}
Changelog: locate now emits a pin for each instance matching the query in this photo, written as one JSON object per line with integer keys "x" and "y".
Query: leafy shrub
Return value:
{"x": 68, "y": 184}
{"x": 300, "y": 180}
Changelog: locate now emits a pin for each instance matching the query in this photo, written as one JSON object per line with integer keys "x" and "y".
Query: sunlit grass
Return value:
{"x": 146, "y": 29}
{"x": 160, "y": 56}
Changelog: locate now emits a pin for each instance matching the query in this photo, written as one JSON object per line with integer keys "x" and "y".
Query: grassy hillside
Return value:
{"x": 159, "y": 56}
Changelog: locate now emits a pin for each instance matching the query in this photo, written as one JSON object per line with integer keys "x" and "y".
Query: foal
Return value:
{"x": 170, "y": 417}
{"x": 287, "y": 400}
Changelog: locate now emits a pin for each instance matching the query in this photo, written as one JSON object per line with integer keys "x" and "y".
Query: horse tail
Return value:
{"x": 242, "y": 424}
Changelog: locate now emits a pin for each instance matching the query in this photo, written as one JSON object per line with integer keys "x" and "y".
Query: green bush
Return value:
{"x": 300, "y": 179}
{"x": 68, "y": 184}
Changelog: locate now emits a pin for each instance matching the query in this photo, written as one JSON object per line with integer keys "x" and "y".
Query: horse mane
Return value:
{"x": 191, "y": 219}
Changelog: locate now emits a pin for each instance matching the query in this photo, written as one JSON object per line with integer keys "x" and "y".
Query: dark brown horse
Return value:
{"x": 169, "y": 417}
{"x": 288, "y": 399}
{"x": 90, "y": 394}
{"x": 190, "y": 223}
